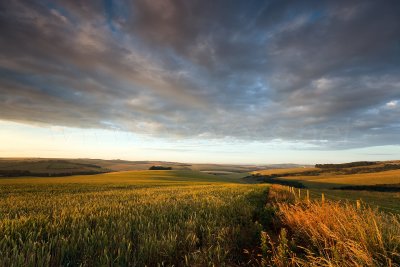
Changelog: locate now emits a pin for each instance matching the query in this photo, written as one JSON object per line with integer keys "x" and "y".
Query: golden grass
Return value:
{"x": 330, "y": 234}
{"x": 153, "y": 218}
{"x": 125, "y": 177}
{"x": 184, "y": 218}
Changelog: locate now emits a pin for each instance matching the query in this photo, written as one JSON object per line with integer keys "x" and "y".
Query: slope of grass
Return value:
{"x": 127, "y": 177}
{"x": 330, "y": 181}
{"x": 137, "y": 218}
{"x": 45, "y": 167}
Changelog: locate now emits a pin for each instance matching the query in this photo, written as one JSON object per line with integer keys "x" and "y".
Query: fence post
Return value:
{"x": 308, "y": 196}
{"x": 299, "y": 193}
{"x": 358, "y": 204}
{"x": 322, "y": 198}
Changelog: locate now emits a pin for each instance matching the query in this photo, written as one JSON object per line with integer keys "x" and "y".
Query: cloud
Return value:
{"x": 392, "y": 104}
{"x": 321, "y": 72}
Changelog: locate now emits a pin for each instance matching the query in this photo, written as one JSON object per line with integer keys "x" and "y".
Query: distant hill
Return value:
{"x": 363, "y": 175}
{"x": 16, "y": 167}
{"x": 47, "y": 167}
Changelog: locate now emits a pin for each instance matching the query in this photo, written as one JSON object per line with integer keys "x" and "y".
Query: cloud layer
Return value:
{"x": 322, "y": 72}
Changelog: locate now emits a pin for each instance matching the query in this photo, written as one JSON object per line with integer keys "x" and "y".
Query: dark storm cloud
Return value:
{"x": 323, "y": 72}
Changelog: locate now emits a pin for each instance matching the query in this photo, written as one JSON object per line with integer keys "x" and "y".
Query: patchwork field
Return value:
{"x": 369, "y": 182}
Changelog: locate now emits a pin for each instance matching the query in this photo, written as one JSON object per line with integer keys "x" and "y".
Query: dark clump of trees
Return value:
{"x": 377, "y": 188}
{"x": 160, "y": 168}
{"x": 14, "y": 173}
{"x": 346, "y": 165}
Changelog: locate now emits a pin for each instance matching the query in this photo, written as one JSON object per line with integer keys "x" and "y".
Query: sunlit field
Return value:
{"x": 152, "y": 218}
{"x": 191, "y": 218}
{"x": 329, "y": 180}
{"x": 199, "y": 133}
{"x": 328, "y": 233}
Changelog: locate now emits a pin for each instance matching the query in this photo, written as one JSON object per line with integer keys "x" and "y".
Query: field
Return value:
{"x": 331, "y": 181}
{"x": 192, "y": 218}
{"x": 132, "y": 218}
{"x": 325, "y": 180}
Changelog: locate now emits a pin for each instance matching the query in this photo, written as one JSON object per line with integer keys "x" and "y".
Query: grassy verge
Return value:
{"x": 328, "y": 234}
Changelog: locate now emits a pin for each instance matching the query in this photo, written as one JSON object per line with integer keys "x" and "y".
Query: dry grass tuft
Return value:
{"x": 331, "y": 234}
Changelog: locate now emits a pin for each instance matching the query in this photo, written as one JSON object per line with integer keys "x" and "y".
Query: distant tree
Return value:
{"x": 160, "y": 168}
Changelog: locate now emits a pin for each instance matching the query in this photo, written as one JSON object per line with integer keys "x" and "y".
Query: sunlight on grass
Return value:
{"x": 128, "y": 219}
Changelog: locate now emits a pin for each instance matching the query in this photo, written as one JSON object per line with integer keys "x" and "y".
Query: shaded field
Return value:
{"x": 17, "y": 168}
{"x": 136, "y": 218}
{"x": 377, "y": 188}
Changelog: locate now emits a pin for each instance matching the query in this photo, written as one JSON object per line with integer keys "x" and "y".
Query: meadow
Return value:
{"x": 191, "y": 218}
{"x": 138, "y": 218}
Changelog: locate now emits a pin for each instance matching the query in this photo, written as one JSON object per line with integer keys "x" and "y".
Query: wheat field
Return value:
{"x": 185, "y": 218}
{"x": 128, "y": 219}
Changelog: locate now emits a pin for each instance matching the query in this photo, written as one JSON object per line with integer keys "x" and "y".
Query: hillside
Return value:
{"x": 47, "y": 167}
{"x": 376, "y": 183}
{"x": 18, "y": 167}
{"x": 335, "y": 175}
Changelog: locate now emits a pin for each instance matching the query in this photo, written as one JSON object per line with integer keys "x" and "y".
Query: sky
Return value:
{"x": 201, "y": 81}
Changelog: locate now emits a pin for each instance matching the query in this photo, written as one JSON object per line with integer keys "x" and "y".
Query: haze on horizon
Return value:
{"x": 201, "y": 81}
